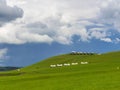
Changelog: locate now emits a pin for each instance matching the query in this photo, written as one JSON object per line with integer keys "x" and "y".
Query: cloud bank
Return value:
{"x": 59, "y": 21}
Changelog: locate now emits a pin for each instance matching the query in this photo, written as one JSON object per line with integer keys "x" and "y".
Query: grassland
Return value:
{"x": 101, "y": 73}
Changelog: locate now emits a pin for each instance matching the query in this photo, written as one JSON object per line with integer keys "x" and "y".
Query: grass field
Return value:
{"x": 102, "y": 73}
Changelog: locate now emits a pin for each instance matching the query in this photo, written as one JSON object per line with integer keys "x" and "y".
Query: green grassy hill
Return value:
{"x": 101, "y": 73}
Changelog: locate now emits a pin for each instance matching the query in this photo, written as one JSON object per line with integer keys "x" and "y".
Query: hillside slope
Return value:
{"x": 101, "y": 73}
{"x": 107, "y": 58}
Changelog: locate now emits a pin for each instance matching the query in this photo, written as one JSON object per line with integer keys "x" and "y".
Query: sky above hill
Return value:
{"x": 32, "y": 30}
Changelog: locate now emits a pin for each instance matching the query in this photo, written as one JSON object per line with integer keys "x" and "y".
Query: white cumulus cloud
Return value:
{"x": 47, "y": 21}
{"x": 106, "y": 39}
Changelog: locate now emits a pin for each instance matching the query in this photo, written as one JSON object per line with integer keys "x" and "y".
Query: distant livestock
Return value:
{"x": 59, "y": 65}
{"x": 84, "y": 62}
{"x": 18, "y": 70}
{"x": 66, "y": 64}
{"x": 74, "y": 63}
{"x": 69, "y": 64}
{"x": 52, "y": 66}
{"x": 82, "y": 53}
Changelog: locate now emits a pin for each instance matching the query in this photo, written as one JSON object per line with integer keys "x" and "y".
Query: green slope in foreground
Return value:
{"x": 102, "y": 73}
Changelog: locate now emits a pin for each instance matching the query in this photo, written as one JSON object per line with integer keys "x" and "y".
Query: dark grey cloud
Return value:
{"x": 8, "y": 13}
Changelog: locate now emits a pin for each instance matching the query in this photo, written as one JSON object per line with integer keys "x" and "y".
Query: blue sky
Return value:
{"x": 33, "y": 30}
